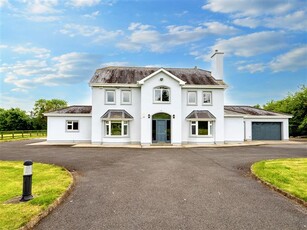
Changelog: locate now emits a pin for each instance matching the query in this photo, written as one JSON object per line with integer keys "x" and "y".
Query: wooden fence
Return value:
{"x": 19, "y": 134}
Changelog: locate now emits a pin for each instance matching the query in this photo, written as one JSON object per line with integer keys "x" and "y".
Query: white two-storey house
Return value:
{"x": 147, "y": 106}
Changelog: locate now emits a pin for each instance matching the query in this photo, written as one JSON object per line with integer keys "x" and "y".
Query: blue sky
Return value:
{"x": 51, "y": 48}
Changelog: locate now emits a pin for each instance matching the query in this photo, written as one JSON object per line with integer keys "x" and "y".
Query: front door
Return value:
{"x": 161, "y": 128}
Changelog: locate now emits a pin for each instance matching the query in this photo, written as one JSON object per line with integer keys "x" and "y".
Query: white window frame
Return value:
{"x": 70, "y": 125}
{"x": 106, "y": 97}
{"x": 161, "y": 88}
{"x": 195, "y": 124}
{"x": 188, "y": 98}
{"x": 122, "y": 97}
{"x": 209, "y": 93}
{"x": 124, "y": 127}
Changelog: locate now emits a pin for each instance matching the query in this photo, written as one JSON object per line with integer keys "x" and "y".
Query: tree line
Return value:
{"x": 294, "y": 104}
{"x": 17, "y": 119}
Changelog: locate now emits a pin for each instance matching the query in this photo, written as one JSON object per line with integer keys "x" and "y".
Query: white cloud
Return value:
{"x": 252, "y": 44}
{"x": 68, "y": 68}
{"x": 293, "y": 60}
{"x": 146, "y": 36}
{"x": 20, "y": 90}
{"x": 250, "y": 8}
{"x": 247, "y": 22}
{"x": 3, "y": 3}
{"x": 219, "y": 28}
{"x": 115, "y": 63}
{"x": 38, "y": 52}
{"x": 45, "y": 18}
{"x": 138, "y": 26}
{"x": 3, "y": 46}
{"x": 294, "y": 21}
{"x": 182, "y": 13}
{"x": 92, "y": 15}
{"x": 129, "y": 46}
{"x": 83, "y": 3}
{"x": 99, "y": 34}
{"x": 42, "y": 6}
{"x": 252, "y": 68}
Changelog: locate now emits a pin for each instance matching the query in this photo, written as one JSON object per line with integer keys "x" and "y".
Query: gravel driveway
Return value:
{"x": 197, "y": 188}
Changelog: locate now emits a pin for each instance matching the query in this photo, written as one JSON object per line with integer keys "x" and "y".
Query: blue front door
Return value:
{"x": 161, "y": 127}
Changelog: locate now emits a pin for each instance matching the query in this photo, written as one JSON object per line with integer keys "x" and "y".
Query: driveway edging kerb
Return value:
{"x": 36, "y": 219}
{"x": 284, "y": 193}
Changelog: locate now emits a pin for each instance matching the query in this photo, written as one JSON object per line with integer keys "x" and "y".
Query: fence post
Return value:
{"x": 1, "y": 135}
{"x": 13, "y": 135}
{"x": 22, "y": 133}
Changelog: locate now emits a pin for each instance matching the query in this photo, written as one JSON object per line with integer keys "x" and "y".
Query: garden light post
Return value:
{"x": 27, "y": 181}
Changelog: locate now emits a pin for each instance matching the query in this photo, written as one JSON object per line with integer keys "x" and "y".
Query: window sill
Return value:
{"x": 162, "y": 102}
{"x": 201, "y": 136}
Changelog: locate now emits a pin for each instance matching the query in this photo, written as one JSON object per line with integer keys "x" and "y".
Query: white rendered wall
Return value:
{"x": 99, "y": 107}
{"x": 217, "y": 109}
{"x": 284, "y": 126}
{"x": 56, "y": 131}
{"x": 234, "y": 129}
{"x": 148, "y": 107}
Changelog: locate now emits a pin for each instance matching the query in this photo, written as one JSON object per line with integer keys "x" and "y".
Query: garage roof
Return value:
{"x": 249, "y": 110}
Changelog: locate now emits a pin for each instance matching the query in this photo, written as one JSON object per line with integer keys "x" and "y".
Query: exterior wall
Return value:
{"x": 99, "y": 107}
{"x": 57, "y": 132}
{"x": 148, "y": 107}
{"x": 284, "y": 126}
{"x": 217, "y": 109}
{"x": 234, "y": 129}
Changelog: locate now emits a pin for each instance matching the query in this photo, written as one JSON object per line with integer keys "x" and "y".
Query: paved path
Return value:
{"x": 199, "y": 188}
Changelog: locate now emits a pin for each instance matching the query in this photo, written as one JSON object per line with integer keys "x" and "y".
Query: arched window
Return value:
{"x": 161, "y": 94}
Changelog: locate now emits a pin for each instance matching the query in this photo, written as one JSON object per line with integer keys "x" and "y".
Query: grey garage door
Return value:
{"x": 266, "y": 130}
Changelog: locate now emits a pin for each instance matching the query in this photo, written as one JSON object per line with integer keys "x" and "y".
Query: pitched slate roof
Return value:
{"x": 131, "y": 75}
{"x": 249, "y": 110}
{"x": 74, "y": 109}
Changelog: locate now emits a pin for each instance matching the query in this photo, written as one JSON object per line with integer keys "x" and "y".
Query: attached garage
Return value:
{"x": 258, "y": 124}
{"x": 266, "y": 131}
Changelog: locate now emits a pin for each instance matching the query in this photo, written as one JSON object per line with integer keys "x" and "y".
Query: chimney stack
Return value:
{"x": 217, "y": 65}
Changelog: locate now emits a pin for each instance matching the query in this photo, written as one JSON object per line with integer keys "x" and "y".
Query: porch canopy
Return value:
{"x": 197, "y": 115}
{"x": 117, "y": 114}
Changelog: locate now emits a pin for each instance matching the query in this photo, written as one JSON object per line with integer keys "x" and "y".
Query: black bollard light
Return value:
{"x": 27, "y": 181}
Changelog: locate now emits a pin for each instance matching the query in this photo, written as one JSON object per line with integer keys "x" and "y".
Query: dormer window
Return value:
{"x": 161, "y": 94}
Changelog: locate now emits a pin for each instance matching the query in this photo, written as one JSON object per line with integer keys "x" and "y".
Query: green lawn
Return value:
{"x": 289, "y": 175}
{"x": 49, "y": 183}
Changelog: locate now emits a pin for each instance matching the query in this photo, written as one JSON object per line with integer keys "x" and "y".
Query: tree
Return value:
{"x": 295, "y": 104}
{"x": 14, "y": 119}
{"x": 257, "y": 106}
{"x": 42, "y": 106}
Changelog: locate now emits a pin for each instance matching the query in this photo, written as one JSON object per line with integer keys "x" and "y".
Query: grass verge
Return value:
{"x": 288, "y": 175}
{"x": 49, "y": 183}
{"x": 21, "y": 138}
